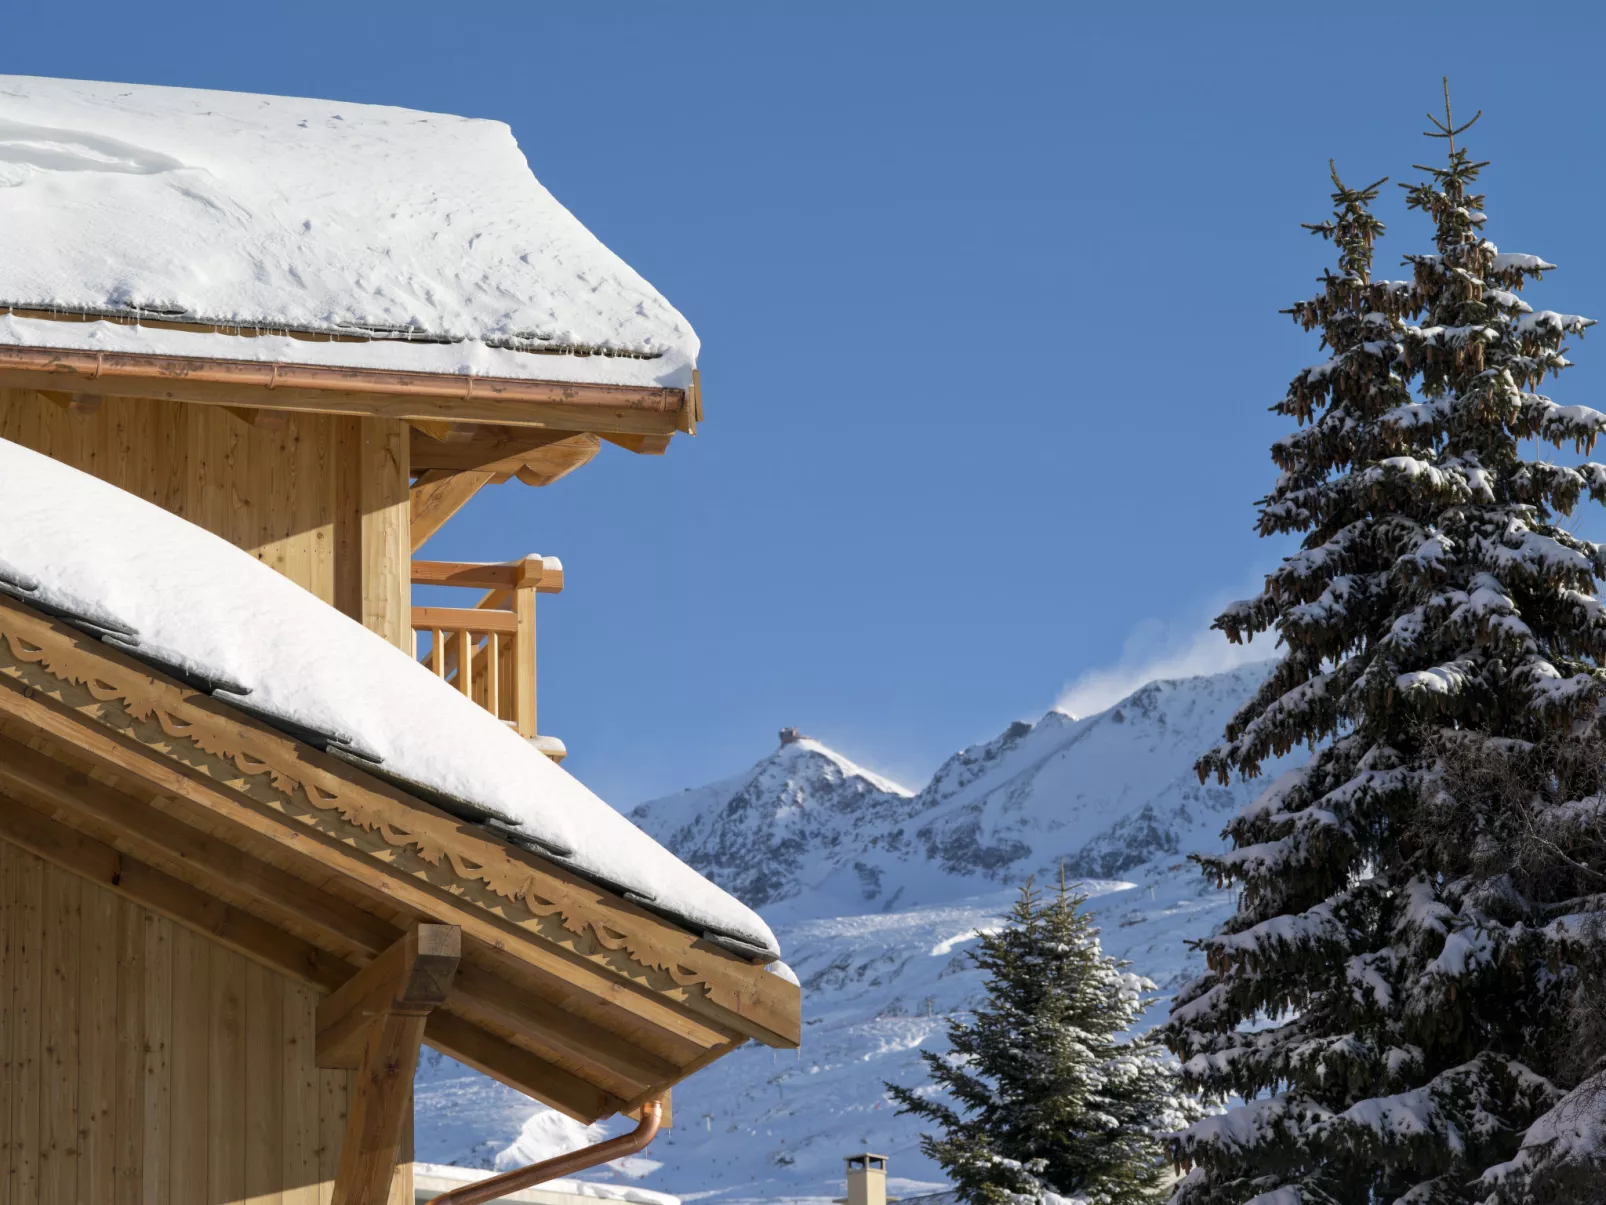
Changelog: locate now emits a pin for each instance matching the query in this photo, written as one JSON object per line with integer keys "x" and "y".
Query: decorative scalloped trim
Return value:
{"x": 231, "y": 752}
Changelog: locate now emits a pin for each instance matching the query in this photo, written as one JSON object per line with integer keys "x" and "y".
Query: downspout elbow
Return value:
{"x": 562, "y": 1165}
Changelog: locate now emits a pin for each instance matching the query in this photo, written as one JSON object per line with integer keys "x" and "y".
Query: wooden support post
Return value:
{"x": 375, "y": 1022}
{"x": 385, "y": 514}
{"x": 524, "y": 661}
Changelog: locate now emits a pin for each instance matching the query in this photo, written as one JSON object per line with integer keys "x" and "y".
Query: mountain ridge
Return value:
{"x": 877, "y": 893}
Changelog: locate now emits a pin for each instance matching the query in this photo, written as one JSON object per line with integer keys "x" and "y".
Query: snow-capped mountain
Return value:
{"x": 779, "y": 830}
{"x": 807, "y": 829}
{"x": 875, "y": 892}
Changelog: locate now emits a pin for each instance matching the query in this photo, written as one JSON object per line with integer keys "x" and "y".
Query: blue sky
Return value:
{"x": 988, "y": 298}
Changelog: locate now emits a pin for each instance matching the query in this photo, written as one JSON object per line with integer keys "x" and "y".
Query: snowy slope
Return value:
{"x": 876, "y": 895}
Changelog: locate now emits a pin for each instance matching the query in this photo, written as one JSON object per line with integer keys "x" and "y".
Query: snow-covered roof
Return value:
{"x": 169, "y": 592}
{"x": 423, "y": 235}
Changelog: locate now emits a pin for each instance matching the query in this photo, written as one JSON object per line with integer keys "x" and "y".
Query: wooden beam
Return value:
{"x": 414, "y": 974}
{"x": 266, "y": 420}
{"x": 379, "y": 1016}
{"x": 642, "y": 445}
{"x": 198, "y": 858}
{"x": 545, "y": 573}
{"x": 437, "y": 495}
{"x": 336, "y": 390}
{"x": 464, "y": 619}
{"x": 167, "y": 896}
{"x": 545, "y": 465}
{"x": 80, "y": 405}
{"x": 519, "y": 1068}
{"x": 434, "y": 428}
{"x": 479, "y": 993}
{"x": 504, "y": 450}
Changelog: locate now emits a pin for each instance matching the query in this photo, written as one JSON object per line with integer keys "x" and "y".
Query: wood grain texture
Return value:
{"x": 414, "y": 975}
{"x": 436, "y": 496}
{"x": 10, "y": 884}
{"x": 155, "y": 1142}
{"x": 61, "y": 907}
{"x": 25, "y": 969}
{"x": 164, "y": 1069}
{"x": 270, "y": 490}
{"x": 187, "y": 1134}
{"x": 98, "y": 1025}
{"x": 385, "y": 506}
{"x": 383, "y": 1009}
{"x": 300, "y": 1141}
{"x": 380, "y": 1107}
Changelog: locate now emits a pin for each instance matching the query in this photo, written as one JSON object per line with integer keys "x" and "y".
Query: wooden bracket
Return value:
{"x": 266, "y": 420}
{"x": 436, "y": 496}
{"x": 375, "y": 1022}
{"x": 79, "y": 404}
{"x": 644, "y": 445}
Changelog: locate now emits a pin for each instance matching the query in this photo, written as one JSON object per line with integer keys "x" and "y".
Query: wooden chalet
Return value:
{"x": 265, "y": 826}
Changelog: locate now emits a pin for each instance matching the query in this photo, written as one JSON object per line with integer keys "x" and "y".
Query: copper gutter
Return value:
{"x": 563, "y": 1165}
{"x": 110, "y": 368}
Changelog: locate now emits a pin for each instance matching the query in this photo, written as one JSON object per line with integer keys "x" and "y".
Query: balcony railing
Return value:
{"x": 488, "y": 650}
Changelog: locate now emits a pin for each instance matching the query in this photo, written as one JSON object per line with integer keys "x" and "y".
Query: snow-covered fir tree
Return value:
{"x": 1047, "y": 1099}
{"x": 1411, "y": 983}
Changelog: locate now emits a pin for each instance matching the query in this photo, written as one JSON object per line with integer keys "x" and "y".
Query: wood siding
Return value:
{"x": 143, "y": 1064}
{"x": 323, "y": 499}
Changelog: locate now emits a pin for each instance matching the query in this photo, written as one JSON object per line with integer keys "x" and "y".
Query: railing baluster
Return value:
{"x": 493, "y": 673}
{"x": 501, "y": 628}
{"x": 465, "y": 662}
{"x": 524, "y": 666}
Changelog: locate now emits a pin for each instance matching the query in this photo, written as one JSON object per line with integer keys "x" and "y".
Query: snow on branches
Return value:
{"x": 1406, "y": 995}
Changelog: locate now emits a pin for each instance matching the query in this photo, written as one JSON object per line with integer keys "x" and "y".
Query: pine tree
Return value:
{"x": 1050, "y": 1101}
{"x": 1418, "y": 904}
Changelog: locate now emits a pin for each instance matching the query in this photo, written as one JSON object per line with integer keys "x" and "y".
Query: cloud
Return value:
{"x": 1159, "y": 649}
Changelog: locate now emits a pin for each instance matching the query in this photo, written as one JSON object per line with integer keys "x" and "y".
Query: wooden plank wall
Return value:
{"x": 323, "y": 499}
{"x": 141, "y": 1064}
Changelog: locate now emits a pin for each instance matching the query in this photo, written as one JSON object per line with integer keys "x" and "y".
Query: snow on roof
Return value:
{"x": 422, "y": 233}
{"x": 177, "y": 595}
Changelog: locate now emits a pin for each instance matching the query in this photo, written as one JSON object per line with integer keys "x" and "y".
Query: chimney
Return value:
{"x": 867, "y": 1180}
{"x": 789, "y": 735}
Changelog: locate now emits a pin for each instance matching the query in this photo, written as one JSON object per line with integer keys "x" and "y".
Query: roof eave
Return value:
{"x": 334, "y": 389}
{"x": 629, "y": 971}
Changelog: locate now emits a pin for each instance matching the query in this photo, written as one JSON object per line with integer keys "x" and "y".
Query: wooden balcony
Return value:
{"x": 488, "y": 650}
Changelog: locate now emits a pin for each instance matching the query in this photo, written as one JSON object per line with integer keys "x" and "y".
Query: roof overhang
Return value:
{"x": 306, "y": 863}
{"x": 625, "y": 410}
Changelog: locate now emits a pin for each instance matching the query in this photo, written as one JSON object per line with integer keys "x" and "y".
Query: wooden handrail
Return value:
{"x": 544, "y": 573}
{"x": 464, "y": 619}
{"x": 488, "y": 651}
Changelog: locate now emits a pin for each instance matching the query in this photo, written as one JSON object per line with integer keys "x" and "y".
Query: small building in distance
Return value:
{"x": 265, "y": 825}
{"x": 867, "y": 1181}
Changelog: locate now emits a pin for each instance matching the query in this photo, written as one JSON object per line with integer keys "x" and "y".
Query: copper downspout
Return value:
{"x": 563, "y": 1165}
